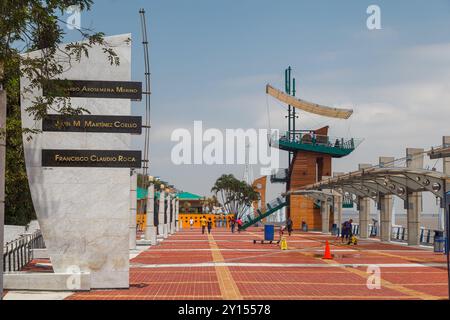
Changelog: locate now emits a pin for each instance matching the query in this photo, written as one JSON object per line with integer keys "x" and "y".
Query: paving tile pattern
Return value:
{"x": 236, "y": 268}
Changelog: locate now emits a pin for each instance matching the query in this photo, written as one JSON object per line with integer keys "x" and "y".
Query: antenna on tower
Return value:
{"x": 248, "y": 169}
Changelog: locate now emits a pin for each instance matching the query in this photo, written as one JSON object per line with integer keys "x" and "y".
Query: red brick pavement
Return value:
{"x": 171, "y": 270}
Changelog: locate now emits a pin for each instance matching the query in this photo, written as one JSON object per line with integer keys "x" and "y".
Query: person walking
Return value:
{"x": 203, "y": 224}
{"x": 191, "y": 222}
{"x": 239, "y": 224}
{"x": 209, "y": 225}
{"x": 289, "y": 225}
{"x": 346, "y": 230}
{"x": 343, "y": 231}
{"x": 232, "y": 224}
{"x": 350, "y": 231}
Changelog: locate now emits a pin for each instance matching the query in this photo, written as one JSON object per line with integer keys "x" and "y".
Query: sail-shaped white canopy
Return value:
{"x": 309, "y": 106}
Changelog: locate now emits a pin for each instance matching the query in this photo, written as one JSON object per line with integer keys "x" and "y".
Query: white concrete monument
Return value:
{"x": 133, "y": 210}
{"x": 150, "y": 230}
{"x": 84, "y": 212}
{"x": 161, "y": 213}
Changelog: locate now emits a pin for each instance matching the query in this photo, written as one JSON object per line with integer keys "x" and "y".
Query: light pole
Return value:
{"x": 2, "y": 171}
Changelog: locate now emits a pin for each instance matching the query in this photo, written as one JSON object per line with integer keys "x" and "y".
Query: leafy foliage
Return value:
{"x": 210, "y": 203}
{"x": 235, "y": 195}
{"x": 25, "y": 26}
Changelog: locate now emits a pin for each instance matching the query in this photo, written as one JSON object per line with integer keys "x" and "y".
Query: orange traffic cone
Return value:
{"x": 327, "y": 254}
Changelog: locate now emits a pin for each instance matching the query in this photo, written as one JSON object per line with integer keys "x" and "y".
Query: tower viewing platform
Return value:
{"x": 303, "y": 140}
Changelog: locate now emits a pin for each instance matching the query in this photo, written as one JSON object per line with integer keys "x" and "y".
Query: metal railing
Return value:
{"x": 400, "y": 233}
{"x": 373, "y": 230}
{"x": 18, "y": 253}
{"x": 355, "y": 228}
{"x": 307, "y": 137}
{"x": 280, "y": 176}
{"x": 270, "y": 207}
{"x": 426, "y": 236}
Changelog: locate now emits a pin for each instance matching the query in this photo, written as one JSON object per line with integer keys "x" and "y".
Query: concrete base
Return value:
{"x": 144, "y": 242}
{"x": 165, "y": 231}
{"x": 47, "y": 281}
{"x": 40, "y": 254}
{"x": 36, "y": 295}
{"x": 132, "y": 243}
{"x": 160, "y": 229}
{"x": 150, "y": 235}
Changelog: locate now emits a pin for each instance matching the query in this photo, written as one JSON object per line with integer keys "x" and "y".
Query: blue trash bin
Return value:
{"x": 305, "y": 227}
{"x": 439, "y": 242}
{"x": 334, "y": 229}
{"x": 269, "y": 232}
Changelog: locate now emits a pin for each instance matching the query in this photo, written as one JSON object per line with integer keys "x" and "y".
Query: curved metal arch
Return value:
{"x": 315, "y": 194}
{"x": 397, "y": 179}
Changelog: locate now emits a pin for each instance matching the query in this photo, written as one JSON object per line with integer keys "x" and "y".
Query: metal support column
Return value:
{"x": 414, "y": 160}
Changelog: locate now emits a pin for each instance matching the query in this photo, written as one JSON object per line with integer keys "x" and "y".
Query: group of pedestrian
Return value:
{"x": 206, "y": 224}
{"x": 236, "y": 222}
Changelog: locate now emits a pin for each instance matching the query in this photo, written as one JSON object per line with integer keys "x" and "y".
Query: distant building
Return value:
{"x": 190, "y": 203}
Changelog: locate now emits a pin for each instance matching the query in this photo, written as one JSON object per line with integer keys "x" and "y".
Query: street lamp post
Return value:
{"x": 2, "y": 171}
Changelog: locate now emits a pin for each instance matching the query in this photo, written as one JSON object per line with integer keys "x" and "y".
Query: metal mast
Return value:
{"x": 248, "y": 170}
{"x": 290, "y": 88}
{"x": 147, "y": 93}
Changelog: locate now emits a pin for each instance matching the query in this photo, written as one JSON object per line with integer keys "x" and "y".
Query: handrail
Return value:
{"x": 400, "y": 233}
{"x": 18, "y": 253}
{"x": 320, "y": 140}
{"x": 272, "y": 207}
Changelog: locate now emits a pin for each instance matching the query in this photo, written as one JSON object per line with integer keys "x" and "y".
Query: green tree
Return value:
{"x": 210, "y": 203}
{"x": 186, "y": 206}
{"x": 25, "y": 26}
{"x": 234, "y": 195}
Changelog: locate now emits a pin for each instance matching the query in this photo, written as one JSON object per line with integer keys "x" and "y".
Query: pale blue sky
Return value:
{"x": 211, "y": 60}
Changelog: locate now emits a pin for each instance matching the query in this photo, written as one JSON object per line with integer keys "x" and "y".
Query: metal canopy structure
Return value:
{"x": 308, "y": 106}
{"x": 440, "y": 153}
{"x": 314, "y": 194}
{"x": 374, "y": 182}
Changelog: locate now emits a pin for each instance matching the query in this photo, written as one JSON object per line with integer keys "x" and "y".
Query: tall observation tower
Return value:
{"x": 310, "y": 152}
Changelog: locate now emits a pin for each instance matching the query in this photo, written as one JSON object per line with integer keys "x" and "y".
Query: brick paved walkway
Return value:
{"x": 189, "y": 265}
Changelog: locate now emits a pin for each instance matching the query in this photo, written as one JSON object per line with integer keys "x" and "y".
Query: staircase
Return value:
{"x": 272, "y": 207}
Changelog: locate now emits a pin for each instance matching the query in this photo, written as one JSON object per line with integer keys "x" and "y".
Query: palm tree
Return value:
{"x": 210, "y": 203}
{"x": 186, "y": 207}
{"x": 235, "y": 195}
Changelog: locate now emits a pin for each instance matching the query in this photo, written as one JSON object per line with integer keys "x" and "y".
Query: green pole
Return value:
{"x": 293, "y": 109}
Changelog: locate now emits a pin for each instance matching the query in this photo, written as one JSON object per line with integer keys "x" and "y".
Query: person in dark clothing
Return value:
{"x": 209, "y": 225}
{"x": 232, "y": 224}
{"x": 344, "y": 231}
{"x": 350, "y": 231}
{"x": 289, "y": 225}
